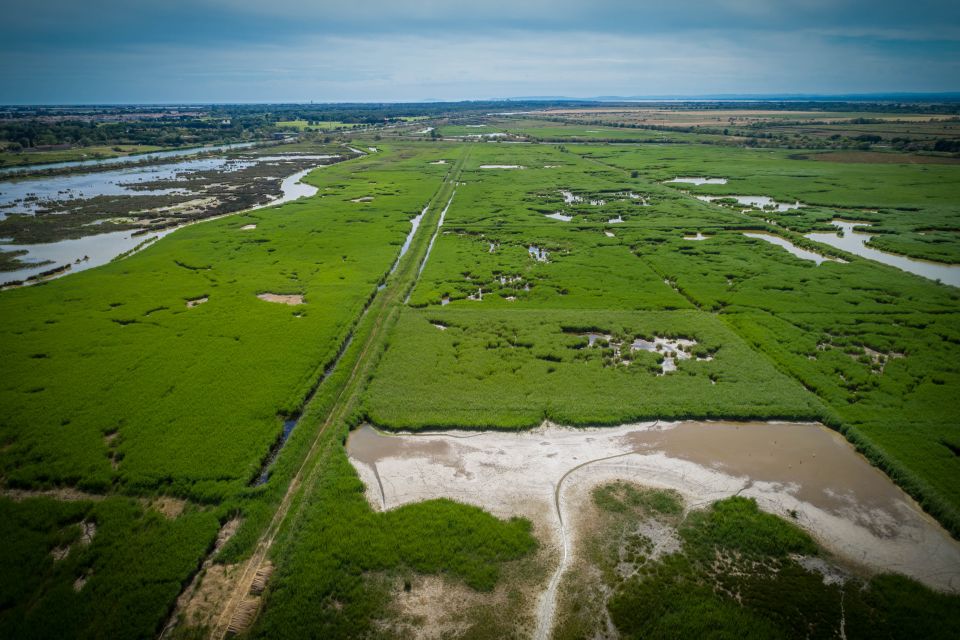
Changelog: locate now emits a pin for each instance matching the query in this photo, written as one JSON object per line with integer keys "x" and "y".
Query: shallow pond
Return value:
{"x": 792, "y": 248}
{"x": 803, "y": 472}
{"x": 671, "y": 349}
{"x": 541, "y": 255}
{"x": 756, "y": 202}
{"x": 292, "y": 189}
{"x": 700, "y": 181}
{"x": 29, "y": 194}
{"x": 80, "y": 253}
{"x": 855, "y": 242}
{"x": 95, "y": 250}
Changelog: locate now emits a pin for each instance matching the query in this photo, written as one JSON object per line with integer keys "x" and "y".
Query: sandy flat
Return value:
{"x": 804, "y": 471}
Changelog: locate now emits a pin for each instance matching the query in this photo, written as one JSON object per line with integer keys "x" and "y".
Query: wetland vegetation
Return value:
{"x": 651, "y": 570}
{"x": 604, "y": 273}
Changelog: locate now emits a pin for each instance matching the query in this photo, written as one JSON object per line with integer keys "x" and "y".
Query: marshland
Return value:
{"x": 548, "y": 368}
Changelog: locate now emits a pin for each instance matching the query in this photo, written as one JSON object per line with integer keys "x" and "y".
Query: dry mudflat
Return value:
{"x": 800, "y": 471}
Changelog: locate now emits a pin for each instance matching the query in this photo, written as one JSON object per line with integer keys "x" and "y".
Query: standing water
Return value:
{"x": 85, "y": 253}
{"x": 140, "y": 157}
{"x": 793, "y": 470}
{"x": 856, "y": 242}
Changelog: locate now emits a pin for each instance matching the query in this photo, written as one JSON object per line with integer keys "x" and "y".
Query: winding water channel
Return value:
{"x": 84, "y": 253}
{"x": 855, "y": 242}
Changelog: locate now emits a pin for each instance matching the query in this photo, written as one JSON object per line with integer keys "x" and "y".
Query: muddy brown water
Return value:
{"x": 799, "y": 471}
{"x": 370, "y": 446}
{"x": 816, "y": 465}
{"x": 793, "y": 469}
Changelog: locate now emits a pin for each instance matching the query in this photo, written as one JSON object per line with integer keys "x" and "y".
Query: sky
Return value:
{"x": 203, "y": 51}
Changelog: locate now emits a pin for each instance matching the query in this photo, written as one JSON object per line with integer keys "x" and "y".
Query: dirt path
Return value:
{"x": 241, "y": 608}
{"x": 547, "y": 606}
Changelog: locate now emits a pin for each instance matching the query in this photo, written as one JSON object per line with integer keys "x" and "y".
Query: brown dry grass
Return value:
{"x": 291, "y": 299}
{"x": 440, "y": 607}
{"x": 876, "y": 157}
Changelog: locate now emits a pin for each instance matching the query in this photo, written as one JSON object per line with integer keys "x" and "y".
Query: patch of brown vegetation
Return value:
{"x": 261, "y": 578}
{"x": 291, "y": 299}
{"x": 877, "y": 157}
{"x": 169, "y": 506}
{"x": 66, "y": 494}
{"x": 244, "y": 616}
{"x": 428, "y": 607}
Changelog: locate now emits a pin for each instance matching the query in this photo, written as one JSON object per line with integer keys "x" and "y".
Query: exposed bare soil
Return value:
{"x": 280, "y": 298}
{"x": 801, "y": 471}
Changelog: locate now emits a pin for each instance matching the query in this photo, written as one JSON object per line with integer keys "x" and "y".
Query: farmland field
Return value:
{"x": 9, "y": 158}
{"x": 186, "y": 410}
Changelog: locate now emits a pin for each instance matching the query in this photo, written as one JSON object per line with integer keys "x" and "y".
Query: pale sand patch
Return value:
{"x": 88, "y": 529}
{"x": 80, "y": 582}
{"x": 194, "y": 302}
{"x": 167, "y": 505}
{"x": 291, "y": 299}
{"x": 805, "y": 470}
{"x": 363, "y": 199}
{"x": 440, "y": 607}
{"x": 66, "y": 494}
{"x": 248, "y": 227}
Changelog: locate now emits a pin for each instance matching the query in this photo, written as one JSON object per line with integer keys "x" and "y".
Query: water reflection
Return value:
{"x": 140, "y": 157}
{"x": 792, "y": 248}
{"x": 855, "y": 242}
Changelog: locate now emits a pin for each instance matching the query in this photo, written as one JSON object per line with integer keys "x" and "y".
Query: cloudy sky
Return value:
{"x": 84, "y": 51}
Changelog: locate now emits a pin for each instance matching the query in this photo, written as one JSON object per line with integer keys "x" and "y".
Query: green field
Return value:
{"x": 762, "y": 591}
{"x": 548, "y": 131}
{"x": 164, "y": 374}
{"x": 316, "y": 125}
{"x": 12, "y": 159}
{"x": 517, "y": 356}
{"x": 112, "y": 384}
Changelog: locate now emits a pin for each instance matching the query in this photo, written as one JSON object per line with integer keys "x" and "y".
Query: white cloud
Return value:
{"x": 456, "y": 66}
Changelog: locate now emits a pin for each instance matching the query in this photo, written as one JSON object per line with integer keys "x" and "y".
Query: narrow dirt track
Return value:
{"x": 238, "y": 613}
